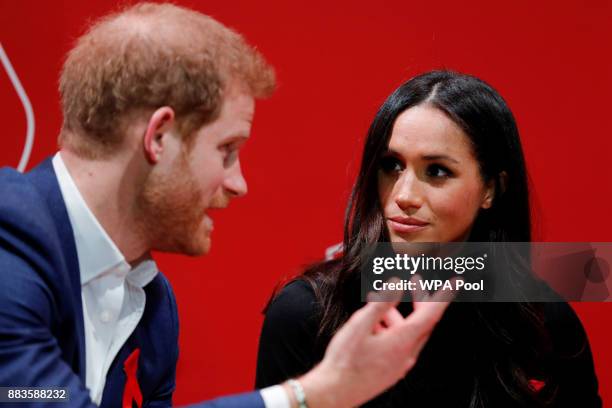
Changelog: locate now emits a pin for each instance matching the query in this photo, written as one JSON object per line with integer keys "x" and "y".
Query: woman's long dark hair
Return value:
{"x": 516, "y": 338}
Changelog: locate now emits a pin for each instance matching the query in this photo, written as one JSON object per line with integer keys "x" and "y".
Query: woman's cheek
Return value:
{"x": 454, "y": 212}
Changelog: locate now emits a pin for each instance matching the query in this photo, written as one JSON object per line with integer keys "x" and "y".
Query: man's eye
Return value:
{"x": 438, "y": 171}
{"x": 391, "y": 165}
{"x": 230, "y": 154}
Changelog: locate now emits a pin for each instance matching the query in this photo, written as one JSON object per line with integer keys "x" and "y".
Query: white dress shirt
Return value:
{"x": 112, "y": 291}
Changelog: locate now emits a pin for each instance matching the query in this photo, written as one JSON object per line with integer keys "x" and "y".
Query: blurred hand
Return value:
{"x": 374, "y": 349}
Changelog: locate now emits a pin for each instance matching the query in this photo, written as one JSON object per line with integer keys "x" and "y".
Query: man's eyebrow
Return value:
{"x": 233, "y": 138}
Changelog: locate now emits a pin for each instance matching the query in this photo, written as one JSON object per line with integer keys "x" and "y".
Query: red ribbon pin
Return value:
{"x": 131, "y": 393}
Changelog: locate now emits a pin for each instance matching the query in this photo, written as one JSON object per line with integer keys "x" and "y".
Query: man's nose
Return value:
{"x": 234, "y": 183}
{"x": 409, "y": 193}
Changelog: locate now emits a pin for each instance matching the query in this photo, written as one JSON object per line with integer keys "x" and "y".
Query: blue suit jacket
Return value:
{"x": 42, "y": 341}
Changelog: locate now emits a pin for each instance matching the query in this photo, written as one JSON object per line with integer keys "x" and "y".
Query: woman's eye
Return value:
{"x": 391, "y": 165}
{"x": 438, "y": 171}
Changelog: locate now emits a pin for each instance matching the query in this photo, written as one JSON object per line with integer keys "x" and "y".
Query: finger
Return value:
{"x": 446, "y": 294}
{"x": 425, "y": 316}
{"x": 432, "y": 307}
{"x": 363, "y": 321}
{"x": 378, "y": 328}
{"x": 389, "y": 320}
{"x": 416, "y": 328}
{"x": 412, "y": 334}
{"x": 418, "y": 294}
{"x": 392, "y": 318}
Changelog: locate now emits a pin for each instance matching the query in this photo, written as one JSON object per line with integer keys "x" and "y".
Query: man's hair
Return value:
{"x": 147, "y": 56}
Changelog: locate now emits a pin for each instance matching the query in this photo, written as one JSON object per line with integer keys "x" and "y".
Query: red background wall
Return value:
{"x": 336, "y": 62}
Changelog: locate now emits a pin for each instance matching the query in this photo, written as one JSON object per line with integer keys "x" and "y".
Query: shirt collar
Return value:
{"x": 96, "y": 252}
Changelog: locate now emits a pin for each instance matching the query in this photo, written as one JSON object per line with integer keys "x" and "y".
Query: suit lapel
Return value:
{"x": 45, "y": 180}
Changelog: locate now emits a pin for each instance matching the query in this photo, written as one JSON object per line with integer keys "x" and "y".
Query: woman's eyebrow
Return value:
{"x": 390, "y": 152}
{"x": 428, "y": 157}
{"x": 439, "y": 157}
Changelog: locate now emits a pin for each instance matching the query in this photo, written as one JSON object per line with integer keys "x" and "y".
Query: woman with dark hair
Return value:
{"x": 442, "y": 162}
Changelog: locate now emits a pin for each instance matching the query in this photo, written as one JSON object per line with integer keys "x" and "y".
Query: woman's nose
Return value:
{"x": 409, "y": 193}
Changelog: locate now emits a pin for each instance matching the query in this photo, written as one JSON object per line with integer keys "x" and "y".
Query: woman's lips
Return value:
{"x": 407, "y": 224}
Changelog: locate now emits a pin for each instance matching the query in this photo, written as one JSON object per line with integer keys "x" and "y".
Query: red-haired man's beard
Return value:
{"x": 171, "y": 211}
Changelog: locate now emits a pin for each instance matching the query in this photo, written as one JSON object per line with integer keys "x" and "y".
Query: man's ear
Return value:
{"x": 160, "y": 122}
{"x": 491, "y": 189}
